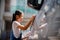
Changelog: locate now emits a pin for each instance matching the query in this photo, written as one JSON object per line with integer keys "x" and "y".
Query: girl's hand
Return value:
{"x": 32, "y": 18}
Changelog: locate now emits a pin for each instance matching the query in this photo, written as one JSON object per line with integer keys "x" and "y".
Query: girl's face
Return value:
{"x": 19, "y": 18}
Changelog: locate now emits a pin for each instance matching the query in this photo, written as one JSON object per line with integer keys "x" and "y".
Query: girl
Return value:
{"x": 16, "y": 26}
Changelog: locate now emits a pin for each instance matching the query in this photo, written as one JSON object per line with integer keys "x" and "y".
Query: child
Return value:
{"x": 16, "y": 26}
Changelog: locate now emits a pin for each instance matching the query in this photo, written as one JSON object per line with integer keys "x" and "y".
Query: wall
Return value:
{"x": 1, "y": 16}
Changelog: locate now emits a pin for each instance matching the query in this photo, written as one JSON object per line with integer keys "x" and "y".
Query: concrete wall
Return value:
{"x": 54, "y": 22}
{"x": 1, "y": 16}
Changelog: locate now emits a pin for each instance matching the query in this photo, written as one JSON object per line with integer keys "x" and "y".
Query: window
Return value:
{"x": 35, "y": 4}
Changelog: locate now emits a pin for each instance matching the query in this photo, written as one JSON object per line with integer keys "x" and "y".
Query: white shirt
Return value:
{"x": 16, "y": 31}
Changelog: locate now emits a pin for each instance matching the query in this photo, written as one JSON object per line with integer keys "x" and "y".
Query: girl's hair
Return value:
{"x": 17, "y": 12}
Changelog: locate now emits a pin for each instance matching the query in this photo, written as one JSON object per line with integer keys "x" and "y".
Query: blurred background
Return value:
{"x": 8, "y": 7}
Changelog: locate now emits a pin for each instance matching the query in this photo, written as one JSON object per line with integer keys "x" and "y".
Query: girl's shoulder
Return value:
{"x": 16, "y": 22}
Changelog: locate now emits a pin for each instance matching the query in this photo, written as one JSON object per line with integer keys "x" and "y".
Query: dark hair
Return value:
{"x": 17, "y": 12}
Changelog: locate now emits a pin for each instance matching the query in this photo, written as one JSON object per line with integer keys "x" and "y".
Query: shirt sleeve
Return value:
{"x": 17, "y": 23}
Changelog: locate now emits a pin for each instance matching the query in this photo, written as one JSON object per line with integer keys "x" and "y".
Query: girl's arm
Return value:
{"x": 27, "y": 25}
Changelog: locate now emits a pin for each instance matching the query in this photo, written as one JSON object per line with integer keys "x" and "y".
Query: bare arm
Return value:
{"x": 27, "y": 24}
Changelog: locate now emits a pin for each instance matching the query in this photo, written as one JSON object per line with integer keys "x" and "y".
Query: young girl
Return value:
{"x": 16, "y": 26}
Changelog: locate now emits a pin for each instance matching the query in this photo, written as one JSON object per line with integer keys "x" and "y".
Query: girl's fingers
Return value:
{"x": 34, "y": 16}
